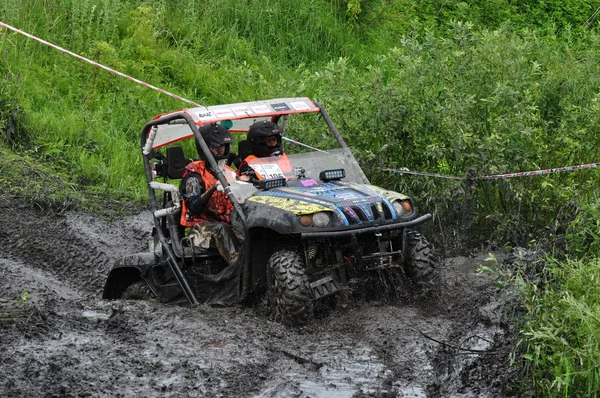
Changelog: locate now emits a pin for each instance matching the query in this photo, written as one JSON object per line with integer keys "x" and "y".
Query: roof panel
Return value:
{"x": 242, "y": 115}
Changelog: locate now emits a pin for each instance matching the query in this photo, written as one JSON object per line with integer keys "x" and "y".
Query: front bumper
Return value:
{"x": 373, "y": 229}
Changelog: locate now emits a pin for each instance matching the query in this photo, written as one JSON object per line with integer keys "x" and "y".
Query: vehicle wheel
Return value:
{"x": 421, "y": 262}
{"x": 289, "y": 295}
{"x": 138, "y": 291}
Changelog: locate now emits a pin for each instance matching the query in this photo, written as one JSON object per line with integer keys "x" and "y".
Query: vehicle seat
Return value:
{"x": 176, "y": 162}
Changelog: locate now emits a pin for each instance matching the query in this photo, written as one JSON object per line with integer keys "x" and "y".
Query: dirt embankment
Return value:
{"x": 62, "y": 340}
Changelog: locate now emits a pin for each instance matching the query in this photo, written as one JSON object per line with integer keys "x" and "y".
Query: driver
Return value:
{"x": 265, "y": 139}
{"x": 205, "y": 208}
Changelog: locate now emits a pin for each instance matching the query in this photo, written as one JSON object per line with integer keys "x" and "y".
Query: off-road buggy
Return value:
{"x": 314, "y": 230}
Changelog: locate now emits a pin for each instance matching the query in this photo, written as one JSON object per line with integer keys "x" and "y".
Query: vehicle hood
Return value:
{"x": 346, "y": 200}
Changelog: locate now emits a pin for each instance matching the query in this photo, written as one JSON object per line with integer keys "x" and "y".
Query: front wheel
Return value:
{"x": 138, "y": 291}
{"x": 289, "y": 293}
{"x": 421, "y": 263}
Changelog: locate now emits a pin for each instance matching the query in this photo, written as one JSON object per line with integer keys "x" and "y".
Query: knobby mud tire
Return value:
{"x": 138, "y": 291}
{"x": 289, "y": 295}
{"x": 421, "y": 262}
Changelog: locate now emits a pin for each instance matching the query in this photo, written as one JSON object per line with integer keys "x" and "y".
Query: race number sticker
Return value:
{"x": 272, "y": 171}
{"x": 268, "y": 171}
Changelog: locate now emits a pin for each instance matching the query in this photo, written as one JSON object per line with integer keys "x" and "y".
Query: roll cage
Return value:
{"x": 170, "y": 128}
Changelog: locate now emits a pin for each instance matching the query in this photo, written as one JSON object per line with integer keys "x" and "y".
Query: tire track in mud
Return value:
{"x": 67, "y": 256}
{"x": 51, "y": 243}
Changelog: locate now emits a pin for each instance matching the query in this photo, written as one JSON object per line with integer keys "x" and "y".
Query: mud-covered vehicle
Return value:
{"x": 313, "y": 229}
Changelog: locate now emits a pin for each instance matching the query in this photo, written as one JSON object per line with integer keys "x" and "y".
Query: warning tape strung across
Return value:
{"x": 418, "y": 173}
{"x": 496, "y": 176}
{"x": 540, "y": 172}
{"x": 97, "y": 64}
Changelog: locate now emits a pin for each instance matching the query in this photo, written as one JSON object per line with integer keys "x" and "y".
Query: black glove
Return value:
{"x": 234, "y": 159}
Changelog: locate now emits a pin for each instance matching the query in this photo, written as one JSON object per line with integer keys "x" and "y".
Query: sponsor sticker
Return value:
{"x": 300, "y": 105}
{"x": 261, "y": 109}
{"x": 280, "y": 107}
{"x": 241, "y": 110}
{"x": 205, "y": 115}
{"x": 345, "y": 195}
{"x": 224, "y": 112}
{"x": 309, "y": 183}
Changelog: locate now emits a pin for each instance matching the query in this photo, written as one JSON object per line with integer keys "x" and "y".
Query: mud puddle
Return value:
{"x": 62, "y": 340}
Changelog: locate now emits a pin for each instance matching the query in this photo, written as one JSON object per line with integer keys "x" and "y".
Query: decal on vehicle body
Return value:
{"x": 288, "y": 194}
{"x": 261, "y": 109}
{"x": 296, "y": 206}
{"x": 280, "y": 107}
{"x": 241, "y": 110}
{"x": 224, "y": 113}
{"x": 270, "y": 170}
{"x": 309, "y": 183}
{"x": 208, "y": 115}
{"x": 300, "y": 105}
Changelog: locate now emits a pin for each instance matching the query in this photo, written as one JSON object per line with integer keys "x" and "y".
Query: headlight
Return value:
{"x": 398, "y": 208}
{"x": 321, "y": 219}
{"x": 402, "y": 207}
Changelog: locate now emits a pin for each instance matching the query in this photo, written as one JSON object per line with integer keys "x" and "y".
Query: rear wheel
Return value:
{"x": 289, "y": 294}
{"x": 421, "y": 263}
{"x": 138, "y": 291}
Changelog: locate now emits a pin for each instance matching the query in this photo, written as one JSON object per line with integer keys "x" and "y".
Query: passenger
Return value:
{"x": 265, "y": 140}
{"x": 205, "y": 208}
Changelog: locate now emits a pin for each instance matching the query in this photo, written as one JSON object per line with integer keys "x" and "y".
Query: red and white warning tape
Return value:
{"x": 539, "y": 172}
{"x": 419, "y": 173}
{"x": 497, "y": 176}
{"x": 97, "y": 64}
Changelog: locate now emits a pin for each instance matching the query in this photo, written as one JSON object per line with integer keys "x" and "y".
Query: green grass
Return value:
{"x": 25, "y": 180}
{"x": 562, "y": 335}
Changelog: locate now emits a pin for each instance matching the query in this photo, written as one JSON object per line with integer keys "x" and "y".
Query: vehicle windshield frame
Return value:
{"x": 301, "y": 169}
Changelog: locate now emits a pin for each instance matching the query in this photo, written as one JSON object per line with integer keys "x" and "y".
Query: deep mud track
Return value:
{"x": 59, "y": 339}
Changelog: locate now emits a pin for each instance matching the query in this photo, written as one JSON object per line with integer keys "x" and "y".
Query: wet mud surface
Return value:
{"x": 58, "y": 338}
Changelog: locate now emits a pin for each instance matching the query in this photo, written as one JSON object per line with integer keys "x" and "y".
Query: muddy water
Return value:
{"x": 63, "y": 340}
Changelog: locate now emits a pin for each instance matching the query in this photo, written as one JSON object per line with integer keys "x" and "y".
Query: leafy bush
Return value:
{"x": 583, "y": 238}
{"x": 562, "y": 334}
{"x": 496, "y": 102}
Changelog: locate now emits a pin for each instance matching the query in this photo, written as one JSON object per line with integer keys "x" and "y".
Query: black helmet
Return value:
{"x": 215, "y": 135}
{"x": 260, "y": 130}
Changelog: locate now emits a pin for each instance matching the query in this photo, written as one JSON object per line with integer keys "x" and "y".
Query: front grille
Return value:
{"x": 376, "y": 214}
{"x": 367, "y": 213}
{"x": 387, "y": 212}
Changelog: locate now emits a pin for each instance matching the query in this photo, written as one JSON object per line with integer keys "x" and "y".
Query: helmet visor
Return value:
{"x": 270, "y": 140}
